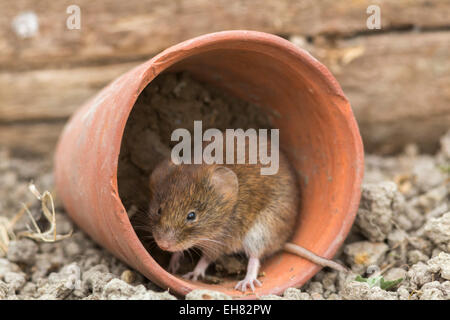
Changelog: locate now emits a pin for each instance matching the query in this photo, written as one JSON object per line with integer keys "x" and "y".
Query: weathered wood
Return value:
{"x": 52, "y": 93}
{"x": 398, "y": 85}
{"x": 28, "y": 139}
{"x": 114, "y": 30}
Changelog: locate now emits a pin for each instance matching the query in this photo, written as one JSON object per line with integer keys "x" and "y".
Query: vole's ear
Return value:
{"x": 162, "y": 170}
{"x": 225, "y": 182}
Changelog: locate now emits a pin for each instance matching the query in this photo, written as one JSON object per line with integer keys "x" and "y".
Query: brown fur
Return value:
{"x": 224, "y": 217}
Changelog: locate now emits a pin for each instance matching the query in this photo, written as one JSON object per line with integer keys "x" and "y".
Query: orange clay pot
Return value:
{"x": 317, "y": 131}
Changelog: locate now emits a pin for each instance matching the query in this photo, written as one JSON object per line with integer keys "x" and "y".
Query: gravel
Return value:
{"x": 402, "y": 230}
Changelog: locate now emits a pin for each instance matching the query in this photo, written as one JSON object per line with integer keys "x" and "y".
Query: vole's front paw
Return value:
{"x": 251, "y": 282}
{"x": 194, "y": 275}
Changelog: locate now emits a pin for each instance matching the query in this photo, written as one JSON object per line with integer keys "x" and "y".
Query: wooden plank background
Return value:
{"x": 397, "y": 79}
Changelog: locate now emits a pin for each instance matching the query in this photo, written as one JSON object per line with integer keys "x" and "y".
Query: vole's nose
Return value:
{"x": 165, "y": 242}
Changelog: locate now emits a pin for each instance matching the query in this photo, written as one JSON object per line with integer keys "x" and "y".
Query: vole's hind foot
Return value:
{"x": 251, "y": 276}
{"x": 250, "y": 282}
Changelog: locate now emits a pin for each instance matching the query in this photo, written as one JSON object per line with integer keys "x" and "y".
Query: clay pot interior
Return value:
{"x": 174, "y": 100}
{"x": 317, "y": 133}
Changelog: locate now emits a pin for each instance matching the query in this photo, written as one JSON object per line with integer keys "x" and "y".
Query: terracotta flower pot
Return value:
{"x": 317, "y": 130}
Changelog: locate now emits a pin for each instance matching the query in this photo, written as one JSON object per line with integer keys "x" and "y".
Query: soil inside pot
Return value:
{"x": 169, "y": 102}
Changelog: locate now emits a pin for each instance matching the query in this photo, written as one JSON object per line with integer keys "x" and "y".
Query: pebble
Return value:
{"x": 363, "y": 254}
{"x": 203, "y": 294}
{"x": 22, "y": 251}
{"x": 296, "y": 294}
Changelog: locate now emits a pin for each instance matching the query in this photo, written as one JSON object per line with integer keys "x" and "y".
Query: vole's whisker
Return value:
{"x": 205, "y": 239}
{"x": 209, "y": 248}
{"x": 190, "y": 255}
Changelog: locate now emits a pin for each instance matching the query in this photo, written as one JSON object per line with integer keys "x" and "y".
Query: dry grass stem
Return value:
{"x": 48, "y": 209}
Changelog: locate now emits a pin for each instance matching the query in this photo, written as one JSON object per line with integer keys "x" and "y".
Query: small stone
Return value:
{"x": 415, "y": 256}
{"x": 29, "y": 289}
{"x": 421, "y": 244}
{"x": 432, "y": 198}
{"x": 446, "y": 288}
{"x": 90, "y": 258}
{"x": 334, "y": 296}
{"x": 117, "y": 289}
{"x": 419, "y": 274}
{"x": 315, "y": 287}
{"x": 394, "y": 274}
{"x": 152, "y": 295}
{"x": 96, "y": 278}
{"x": 427, "y": 173}
{"x": 72, "y": 249}
{"x": 203, "y": 294}
{"x": 363, "y": 254}
{"x": 329, "y": 281}
{"x": 355, "y": 290}
{"x": 414, "y": 216}
{"x": 3, "y": 290}
{"x": 296, "y": 294}
{"x": 375, "y": 212}
{"x": 7, "y": 266}
{"x": 440, "y": 263}
{"x": 128, "y": 276}
{"x": 438, "y": 231}
{"x": 15, "y": 280}
{"x": 403, "y": 222}
{"x": 317, "y": 296}
{"x": 397, "y": 237}
{"x": 22, "y": 251}
{"x": 59, "y": 285}
{"x": 432, "y": 291}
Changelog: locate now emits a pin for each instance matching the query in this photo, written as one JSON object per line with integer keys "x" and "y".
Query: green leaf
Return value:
{"x": 371, "y": 281}
{"x": 360, "y": 279}
{"x": 374, "y": 281}
{"x": 379, "y": 282}
{"x": 386, "y": 285}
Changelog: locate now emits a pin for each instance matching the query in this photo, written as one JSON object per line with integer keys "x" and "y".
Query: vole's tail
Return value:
{"x": 305, "y": 253}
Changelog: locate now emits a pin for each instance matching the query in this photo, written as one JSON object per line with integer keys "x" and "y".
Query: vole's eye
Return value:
{"x": 159, "y": 211}
{"x": 191, "y": 216}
